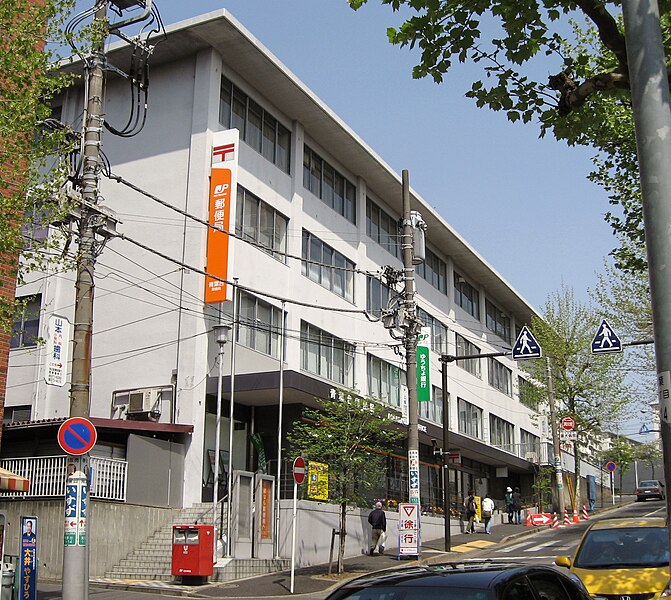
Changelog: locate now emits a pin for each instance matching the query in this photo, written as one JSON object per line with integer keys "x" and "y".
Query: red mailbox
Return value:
{"x": 193, "y": 550}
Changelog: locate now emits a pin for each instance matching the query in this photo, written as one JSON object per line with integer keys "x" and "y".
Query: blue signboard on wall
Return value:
{"x": 27, "y": 568}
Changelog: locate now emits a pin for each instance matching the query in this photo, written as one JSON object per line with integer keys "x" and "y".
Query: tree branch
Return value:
{"x": 574, "y": 95}
{"x": 609, "y": 33}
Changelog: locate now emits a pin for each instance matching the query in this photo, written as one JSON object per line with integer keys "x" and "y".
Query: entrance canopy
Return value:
{"x": 11, "y": 482}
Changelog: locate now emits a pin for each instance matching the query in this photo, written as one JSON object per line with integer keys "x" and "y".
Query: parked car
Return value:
{"x": 651, "y": 488}
{"x": 623, "y": 557}
{"x": 472, "y": 580}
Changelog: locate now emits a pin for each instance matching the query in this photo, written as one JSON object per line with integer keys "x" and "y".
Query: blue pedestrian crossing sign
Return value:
{"x": 606, "y": 340}
{"x": 526, "y": 346}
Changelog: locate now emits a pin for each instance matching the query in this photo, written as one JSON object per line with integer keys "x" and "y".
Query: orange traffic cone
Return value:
{"x": 529, "y": 523}
{"x": 576, "y": 517}
{"x": 585, "y": 516}
{"x": 555, "y": 521}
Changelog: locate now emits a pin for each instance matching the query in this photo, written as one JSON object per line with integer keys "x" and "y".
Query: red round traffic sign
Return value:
{"x": 568, "y": 423}
{"x": 299, "y": 470}
{"x": 611, "y": 466}
{"x": 77, "y": 436}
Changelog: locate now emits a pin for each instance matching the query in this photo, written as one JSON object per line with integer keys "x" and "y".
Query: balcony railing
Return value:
{"x": 47, "y": 475}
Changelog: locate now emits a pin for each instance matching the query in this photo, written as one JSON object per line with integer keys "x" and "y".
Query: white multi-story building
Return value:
{"x": 316, "y": 223}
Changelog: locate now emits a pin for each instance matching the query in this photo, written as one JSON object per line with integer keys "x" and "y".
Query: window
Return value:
{"x": 326, "y": 355}
{"x": 35, "y": 228}
{"x": 377, "y": 295}
{"x": 470, "y": 418}
{"x": 25, "y": 329}
{"x": 500, "y": 376}
{"x": 261, "y": 223}
{"x": 501, "y": 433}
{"x": 433, "y": 410}
{"x": 16, "y": 414}
{"x": 531, "y": 444}
{"x": 258, "y": 128}
{"x": 327, "y": 267}
{"x": 466, "y": 296}
{"x": 328, "y": 185}
{"x": 384, "y": 381}
{"x": 438, "y": 331}
{"x": 259, "y": 325}
{"x": 497, "y": 321}
{"x": 382, "y": 228}
{"x": 465, "y": 348}
{"x": 530, "y": 395}
{"x": 434, "y": 270}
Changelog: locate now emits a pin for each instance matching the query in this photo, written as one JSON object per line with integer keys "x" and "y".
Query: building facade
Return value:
{"x": 316, "y": 227}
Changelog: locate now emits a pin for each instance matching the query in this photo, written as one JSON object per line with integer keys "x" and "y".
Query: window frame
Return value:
{"x": 251, "y": 231}
{"x": 500, "y": 376}
{"x": 389, "y": 380}
{"x": 470, "y": 419}
{"x": 465, "y": 347}
{"x": 29, "y": 314}
{"x": 341, "y": 198}
{"x": 232, "y": 97}
{"x": 466, "y": 296}
{"x": 313, "y": 338}
{"x": 497, "y": 321}
{"x": 336, "y": 275}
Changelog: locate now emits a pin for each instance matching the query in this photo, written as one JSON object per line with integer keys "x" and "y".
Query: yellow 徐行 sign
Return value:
{"x": 318, "y": 481}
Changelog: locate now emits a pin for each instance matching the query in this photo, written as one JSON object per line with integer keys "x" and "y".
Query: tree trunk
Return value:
{"x": 341, "y": 538}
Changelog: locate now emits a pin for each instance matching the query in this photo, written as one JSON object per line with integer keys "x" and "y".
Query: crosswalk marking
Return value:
{"x": 514, "y": 547}
{"x": 540, "y": 546}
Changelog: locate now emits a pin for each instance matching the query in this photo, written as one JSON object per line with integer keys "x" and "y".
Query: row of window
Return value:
{"x": 501, "y": 432}
{"x": 257, "y": 127}
{"x": 333, "y": 188}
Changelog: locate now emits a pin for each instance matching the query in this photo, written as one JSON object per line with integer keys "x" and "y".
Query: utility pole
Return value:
{"x": 648, "y": 80}
{"x": 559, "y": 477}
{"x": 76, "y": 550}
{"x": 410, "y": 328}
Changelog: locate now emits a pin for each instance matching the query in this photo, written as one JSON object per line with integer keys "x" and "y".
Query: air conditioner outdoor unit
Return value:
{"x": 143, "y": 401}
{"x": 531, "y": 457}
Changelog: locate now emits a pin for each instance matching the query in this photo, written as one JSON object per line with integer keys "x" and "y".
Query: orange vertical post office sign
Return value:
{"x": 223, "y": 192}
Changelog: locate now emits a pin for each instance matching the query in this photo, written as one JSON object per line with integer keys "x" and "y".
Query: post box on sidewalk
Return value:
{"x": 192, "y": 550}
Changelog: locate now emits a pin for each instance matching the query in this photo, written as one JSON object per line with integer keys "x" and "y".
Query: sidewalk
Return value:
{"x": 315, "y": 579}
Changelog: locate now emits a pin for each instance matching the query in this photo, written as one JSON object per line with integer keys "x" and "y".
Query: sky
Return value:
{"x": 523, "y": 203}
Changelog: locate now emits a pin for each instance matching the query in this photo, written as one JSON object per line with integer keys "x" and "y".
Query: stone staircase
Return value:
{"x": 152, "y": 560}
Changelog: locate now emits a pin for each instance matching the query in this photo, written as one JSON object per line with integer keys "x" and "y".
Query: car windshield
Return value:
{"x": 417, "y": 593}
{"x": 645, "y": 484}
{"x": 624, "y": 547}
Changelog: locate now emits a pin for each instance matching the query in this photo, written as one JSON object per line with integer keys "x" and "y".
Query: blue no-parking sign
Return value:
{"x": 77, "y": 436}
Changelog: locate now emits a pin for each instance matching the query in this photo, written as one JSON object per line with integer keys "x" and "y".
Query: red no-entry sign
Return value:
{"x": 299, "y": 470}
{"x": 568, "y": 423}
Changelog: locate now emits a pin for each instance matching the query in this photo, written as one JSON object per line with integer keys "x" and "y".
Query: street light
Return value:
{"x": 221, "y": 337}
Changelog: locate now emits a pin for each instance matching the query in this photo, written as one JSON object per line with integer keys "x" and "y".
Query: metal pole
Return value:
{"x": 293, "y": 537}
{"x": 231, "y": 429}
{"x": 446, "y": 458}
{"x": 279, "y": 442}
{"x": 221, "y": 337}
{"x": 559, "y": 481}
{"x": 410, "y": 335}
{"x": 76, "y": 555}
{"x": 652, "y": 119}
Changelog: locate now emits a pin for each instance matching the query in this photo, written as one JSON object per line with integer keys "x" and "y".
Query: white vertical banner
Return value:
{"x": 58, "y": 347}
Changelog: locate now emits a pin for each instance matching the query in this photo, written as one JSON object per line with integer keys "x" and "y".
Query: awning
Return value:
{"x": 11, "y": 482}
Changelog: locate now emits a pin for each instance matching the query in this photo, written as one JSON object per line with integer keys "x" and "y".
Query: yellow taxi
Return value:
{"x": 623, "y": 559}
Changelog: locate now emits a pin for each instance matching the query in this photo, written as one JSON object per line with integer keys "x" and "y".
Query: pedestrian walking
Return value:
{"x": 471, "y": 512}
{"x": 517, "y": 506}
{"x": 509, "y": 503}
{"x": 378, "y": 522}
{"x": 487, "y": 512}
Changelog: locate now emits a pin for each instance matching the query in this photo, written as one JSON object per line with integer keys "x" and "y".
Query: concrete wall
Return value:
{"x": 116, "y": 529}
{"x": 316, "y": 522}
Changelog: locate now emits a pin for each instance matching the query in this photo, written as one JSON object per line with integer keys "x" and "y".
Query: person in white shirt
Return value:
{"x": 487, "y": 512}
